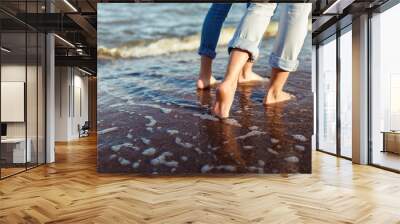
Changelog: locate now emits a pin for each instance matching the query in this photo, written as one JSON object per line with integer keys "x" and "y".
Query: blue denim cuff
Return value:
{"x": 207, "y": 52}
{"x": 284, "y": 64}
{"x": 243, "y": 44}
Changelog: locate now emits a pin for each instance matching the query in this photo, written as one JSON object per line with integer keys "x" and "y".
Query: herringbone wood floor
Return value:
{"x": 71, "y": 191}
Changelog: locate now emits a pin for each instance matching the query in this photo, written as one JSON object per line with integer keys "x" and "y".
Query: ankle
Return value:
{"x": 227, "y": 84}
{"x": 205, "y": 75}
{"x": 274, "y": 92}
{"x": 245, "y": 73}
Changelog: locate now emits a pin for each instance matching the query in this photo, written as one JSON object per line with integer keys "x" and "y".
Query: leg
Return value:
{"x": 292, "y": 31}
{"x": 243, "y": 46}
{"x": 209, "y": 38}
{"x": 205, "y": 79}
{"x": 275, "y": 91}
{"x": 249, "y": 34}
{"x": 226, "y": 90}
{"x": 247, "y": 75}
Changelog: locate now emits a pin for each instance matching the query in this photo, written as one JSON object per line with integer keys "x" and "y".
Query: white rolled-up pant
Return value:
{"x": 293, "y": 27}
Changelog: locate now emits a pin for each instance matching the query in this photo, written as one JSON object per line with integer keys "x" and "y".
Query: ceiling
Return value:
{"x": 73, "y": 21}
{"x": 332, "y": 15}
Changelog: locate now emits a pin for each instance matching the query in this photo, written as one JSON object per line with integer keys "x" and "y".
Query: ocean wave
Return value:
{"x": 146, "y": 48}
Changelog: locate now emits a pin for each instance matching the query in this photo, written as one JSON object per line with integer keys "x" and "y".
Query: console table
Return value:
{"x": 19, "y": 155}
{"x": 391, "y": 141}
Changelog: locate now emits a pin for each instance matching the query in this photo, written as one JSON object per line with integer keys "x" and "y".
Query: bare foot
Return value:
{"x": 206, "y": 83}
{"x": 251, "y": 77}
{"x": 279, "y": 97}
{"x": 225, "y": 96}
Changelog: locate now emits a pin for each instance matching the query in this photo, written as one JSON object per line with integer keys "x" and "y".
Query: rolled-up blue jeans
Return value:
{"x": 293, "y": 27}
{"x": 211, "y": 29}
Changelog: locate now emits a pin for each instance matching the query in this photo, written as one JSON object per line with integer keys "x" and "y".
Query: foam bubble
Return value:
{"x": 252, "y": 128}
{"x": 107, "y": 130}
{"x": 215, "y": 148}
{"x": 198, "y": 150}
{"x": 123, "y": 161}
{"x": 251, "y": 133}
{"x": 206, "y": 168}
{"x": 272, "y": 151}
{"x": 292, "y": 159}
{"x": 136, "y": 165}
{"x": 116, "y": 148}
{"x": 152, "y": 122}
{"x": 248, "y": 147}
{"x": 274, "y": 140}
{"x": 228, "y": 168}
{"x": 232, "y": 122}
{"x": 116, "y": 105}
{"x": 183, "y": 144}
{"x": 145, "y": 141}
{"x": 301, "y": 138}
{"x": 299, "y": 147}
{"x": 162, "y": 160}
{"x": 172, "y": 132}
{"x": 206, "y": 117}
{"x": 149, "y": 152}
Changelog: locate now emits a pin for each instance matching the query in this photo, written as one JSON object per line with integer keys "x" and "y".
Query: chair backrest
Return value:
{"x": 86, "y": 125}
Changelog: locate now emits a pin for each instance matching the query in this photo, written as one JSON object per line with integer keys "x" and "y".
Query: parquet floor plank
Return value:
{"x": 71, "y": 191}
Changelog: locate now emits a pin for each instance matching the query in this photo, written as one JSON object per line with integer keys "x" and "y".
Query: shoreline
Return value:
{"x": 174, "y": 45}
{"x": 153, "y": 120}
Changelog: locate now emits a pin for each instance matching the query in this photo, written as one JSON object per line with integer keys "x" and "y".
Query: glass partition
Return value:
{"x": 41, "y": 97}
{"x": 13, "y": 105}
{"x": 31, "y": 99}
{"x": 22, "y": 88}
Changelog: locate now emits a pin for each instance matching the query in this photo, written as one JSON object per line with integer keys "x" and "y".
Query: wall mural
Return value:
{"x": 160, "y": 110}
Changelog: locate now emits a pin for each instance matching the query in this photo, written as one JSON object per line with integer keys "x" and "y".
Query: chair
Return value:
{"x": 84, "y": 130}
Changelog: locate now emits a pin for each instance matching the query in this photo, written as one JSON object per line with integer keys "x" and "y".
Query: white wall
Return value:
{"x": 16, "y": 73}
{"x": 13, "y": 101}
{"x": 70, "y": 83}
{"x": 62, "y": 81}
{"x": 33, "y": 126}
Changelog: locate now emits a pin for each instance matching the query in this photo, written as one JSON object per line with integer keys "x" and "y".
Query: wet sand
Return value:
{"x": 152, "y": 120}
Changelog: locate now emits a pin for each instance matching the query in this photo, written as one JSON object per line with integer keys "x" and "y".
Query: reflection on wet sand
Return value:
{"x": 222, "y": 137}
{"x": 152, "y": 121}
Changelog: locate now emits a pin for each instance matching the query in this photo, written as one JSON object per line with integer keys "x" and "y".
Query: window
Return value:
{"x": 385, "y": 89}
{"x": 346, "y": 94}
{"x": 327, "y": 97}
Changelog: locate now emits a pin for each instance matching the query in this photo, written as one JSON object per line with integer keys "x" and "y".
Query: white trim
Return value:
{"x": 5, "y": 50}
{"x": 64, "y": 40}
{"x": 70, "y": 5}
